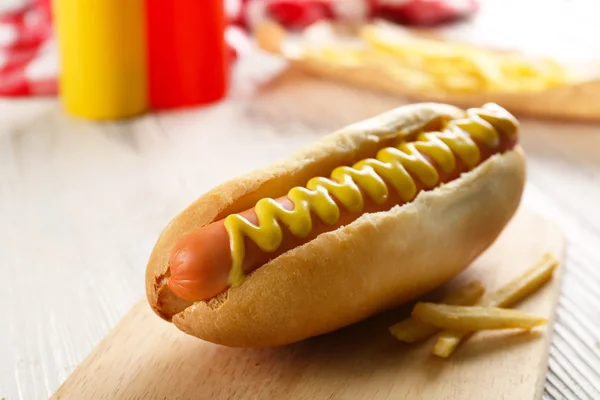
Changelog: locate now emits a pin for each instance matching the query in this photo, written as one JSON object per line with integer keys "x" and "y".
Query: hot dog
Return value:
{"x": 368, "y": 218}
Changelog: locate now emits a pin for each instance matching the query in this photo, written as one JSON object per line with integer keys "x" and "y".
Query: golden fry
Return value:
{"x": 474, "y": 318}
{"x": 526, "y": 284}
{"x": 413, "y": 330}
{"x": 270, "y": 36}
{"x": 506, "y": 296}
{"x": 488, "y": 70}
{"x": 447, "y": 342}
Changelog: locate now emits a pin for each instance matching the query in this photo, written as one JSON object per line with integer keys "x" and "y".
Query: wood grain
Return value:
{"x": 147, "y": 358}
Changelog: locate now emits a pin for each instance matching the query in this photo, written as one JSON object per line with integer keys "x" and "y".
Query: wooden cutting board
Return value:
{"x": 147, "y": 358}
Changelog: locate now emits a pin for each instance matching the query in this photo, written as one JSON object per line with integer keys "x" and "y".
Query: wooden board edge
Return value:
{"x": 134, "y": 312}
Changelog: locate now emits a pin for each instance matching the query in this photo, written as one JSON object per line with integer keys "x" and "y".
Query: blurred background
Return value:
{"x": 115, "y": 115}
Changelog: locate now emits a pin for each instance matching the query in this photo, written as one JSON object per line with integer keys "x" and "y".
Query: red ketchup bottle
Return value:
{"x": 188, "y": 60}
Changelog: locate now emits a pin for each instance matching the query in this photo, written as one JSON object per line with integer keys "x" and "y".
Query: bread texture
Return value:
{"x": 377, "y": 262}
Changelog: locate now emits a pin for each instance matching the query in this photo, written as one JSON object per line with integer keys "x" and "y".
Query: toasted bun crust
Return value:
{"x": 379, "y": 261}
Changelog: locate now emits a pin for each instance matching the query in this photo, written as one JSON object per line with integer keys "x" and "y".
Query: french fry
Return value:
{"x": 474, "y": 318}
{"x": 490, "y": 70}
{"x": 270, "y": 36}
{"x": 447, "y": 342}
{"x": 508, "y": 295}
{"x": 523, "y": 286}
{"x": 412, "y": 330}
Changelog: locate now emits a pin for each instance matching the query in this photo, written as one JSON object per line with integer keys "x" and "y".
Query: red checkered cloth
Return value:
{"x": 29, "y": 63}
{"x": 299, "y": 14}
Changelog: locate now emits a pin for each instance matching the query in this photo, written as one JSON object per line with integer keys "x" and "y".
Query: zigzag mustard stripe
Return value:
{"x": 394, "y": 166}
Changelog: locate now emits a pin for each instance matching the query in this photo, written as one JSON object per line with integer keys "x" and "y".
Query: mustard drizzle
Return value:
{"x": 392, "y": 165}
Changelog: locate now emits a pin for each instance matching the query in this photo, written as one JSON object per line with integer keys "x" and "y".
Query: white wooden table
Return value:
{"x": 82, "y": 203}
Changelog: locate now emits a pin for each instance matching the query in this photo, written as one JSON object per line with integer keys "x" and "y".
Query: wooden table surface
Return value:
{"x": 82, "y": 203}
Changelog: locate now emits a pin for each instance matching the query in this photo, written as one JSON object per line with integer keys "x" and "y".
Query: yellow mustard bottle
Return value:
{"x": 102, "y": 57}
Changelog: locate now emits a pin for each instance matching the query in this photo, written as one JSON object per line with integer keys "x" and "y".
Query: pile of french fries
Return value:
{"x": 461, "y": 313}
{"x": 452, "y": 67}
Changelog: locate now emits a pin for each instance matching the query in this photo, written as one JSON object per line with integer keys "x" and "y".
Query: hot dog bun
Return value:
{"x": 376, "y": 262}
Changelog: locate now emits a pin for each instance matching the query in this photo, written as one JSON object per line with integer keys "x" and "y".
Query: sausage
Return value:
{"x": 200, "y": 262}
{"x": 390, "y": 257}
